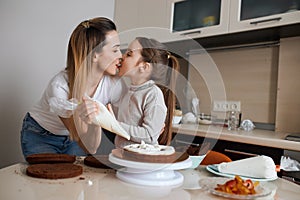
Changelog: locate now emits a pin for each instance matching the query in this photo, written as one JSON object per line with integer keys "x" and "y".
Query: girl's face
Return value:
{"x": 108, "y": 60}
{"x": 131, "y": 59}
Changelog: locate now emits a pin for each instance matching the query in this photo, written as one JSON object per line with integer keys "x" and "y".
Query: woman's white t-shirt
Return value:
{"x": 58, "y": 88}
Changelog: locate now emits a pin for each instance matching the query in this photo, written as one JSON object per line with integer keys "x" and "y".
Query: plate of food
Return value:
{"x": 235, "y": 188}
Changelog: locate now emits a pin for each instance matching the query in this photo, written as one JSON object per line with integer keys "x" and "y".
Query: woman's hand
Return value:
{"x": 87, "y": 110}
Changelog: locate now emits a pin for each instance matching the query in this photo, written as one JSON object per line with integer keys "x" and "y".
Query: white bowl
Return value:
{"x": 196, "y": 160}
{"x": 176, "y": 119}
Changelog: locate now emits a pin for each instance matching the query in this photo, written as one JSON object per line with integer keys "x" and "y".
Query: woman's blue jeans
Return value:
{"x": 35, "y": 139}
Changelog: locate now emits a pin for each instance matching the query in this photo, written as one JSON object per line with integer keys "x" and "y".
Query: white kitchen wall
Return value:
{"x": 33, "y": 45}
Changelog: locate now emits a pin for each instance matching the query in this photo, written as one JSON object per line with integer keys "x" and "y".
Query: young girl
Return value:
{"x": 142, "y": 110}
{"x": 93, "y": 56}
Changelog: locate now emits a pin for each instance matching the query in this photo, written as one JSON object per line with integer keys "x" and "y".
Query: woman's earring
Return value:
{"x": 95, "y": 58}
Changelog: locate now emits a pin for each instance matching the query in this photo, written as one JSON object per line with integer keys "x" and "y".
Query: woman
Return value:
{"x": 93, "y": 56}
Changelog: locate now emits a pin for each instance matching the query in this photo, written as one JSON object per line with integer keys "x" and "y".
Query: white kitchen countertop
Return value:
{"x": 256, "y": 136}
{"x": 103, "y": 184}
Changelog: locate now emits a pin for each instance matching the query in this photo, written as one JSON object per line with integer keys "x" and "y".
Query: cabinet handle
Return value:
{"x": 189, "y": 143}
{"x": 240, "y": 152}
{"x": 266, "y": 20}
{"x": 189, "y": 33}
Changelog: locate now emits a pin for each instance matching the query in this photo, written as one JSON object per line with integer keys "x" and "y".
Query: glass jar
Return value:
{"x": 233, "y": 120}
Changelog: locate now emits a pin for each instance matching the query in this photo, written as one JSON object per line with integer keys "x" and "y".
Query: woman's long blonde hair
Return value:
{"x": 87, "y": 38}
{"x": 164, "y": 73}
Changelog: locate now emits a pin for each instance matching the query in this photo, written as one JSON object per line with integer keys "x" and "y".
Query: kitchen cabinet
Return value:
{"x": 234, "y": 150}
{"x": 237, "y": 151}
{"x": 135, "y": 17}
{"x": 177, "y": 20}
{"x": 141, "y": 18}
{"x": 126, "y": 14}
{"x": 131, "y": 14}
{"x": 246, "y": 15}
{"x": 198, "y": 18}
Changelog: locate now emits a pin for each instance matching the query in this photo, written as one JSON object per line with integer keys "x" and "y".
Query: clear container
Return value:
{"x": 233, "y": 120}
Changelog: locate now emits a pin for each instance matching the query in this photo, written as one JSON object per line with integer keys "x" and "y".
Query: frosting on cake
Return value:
{"x": 258, "y": 167}
{"x": 149, "y": 149}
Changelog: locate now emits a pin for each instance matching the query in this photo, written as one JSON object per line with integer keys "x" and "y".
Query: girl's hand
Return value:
{"x": 87, "y": 110}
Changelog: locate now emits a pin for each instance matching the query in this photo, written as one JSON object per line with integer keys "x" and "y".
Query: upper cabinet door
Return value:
{"x": 198, "y": 18}
{"x": 126, "y": 14}
{"x": 126, "y": 18}
{"x": 257, "y": 14}
{"x": 141, "y": 18}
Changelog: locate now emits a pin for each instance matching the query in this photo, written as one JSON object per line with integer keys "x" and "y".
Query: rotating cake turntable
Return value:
{"x": 150, "y": 174}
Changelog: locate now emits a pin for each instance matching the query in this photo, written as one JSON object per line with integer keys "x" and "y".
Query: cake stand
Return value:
{"x": 150, "y": 174}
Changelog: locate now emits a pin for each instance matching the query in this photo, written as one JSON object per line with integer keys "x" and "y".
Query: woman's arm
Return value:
{"x": 81, "y": 128}
{"x": 88, "y": 136}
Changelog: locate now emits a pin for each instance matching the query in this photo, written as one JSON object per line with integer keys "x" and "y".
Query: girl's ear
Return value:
{"x": 145, "y": 67}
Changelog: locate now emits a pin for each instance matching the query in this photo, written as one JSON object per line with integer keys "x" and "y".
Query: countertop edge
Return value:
{"x": 256, "y": 136}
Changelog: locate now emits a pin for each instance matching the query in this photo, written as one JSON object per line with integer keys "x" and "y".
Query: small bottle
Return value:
{"x": 196, "y": 109}
{"x": 233, "y": 120}
{"x": 293, "y": 7}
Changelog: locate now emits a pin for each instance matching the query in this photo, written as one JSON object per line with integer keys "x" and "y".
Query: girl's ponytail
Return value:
{"x": 170, "y": 99}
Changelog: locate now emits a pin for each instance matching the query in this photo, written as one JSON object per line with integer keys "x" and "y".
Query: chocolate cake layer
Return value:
{"x": 50, "y": 158}
{"x": 54, "y": 171}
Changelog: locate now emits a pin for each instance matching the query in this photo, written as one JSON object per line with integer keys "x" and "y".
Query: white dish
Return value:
{"x": 262, "y": 190}
{"x": 196, "y": 160}
{"x": 211, "y": 169}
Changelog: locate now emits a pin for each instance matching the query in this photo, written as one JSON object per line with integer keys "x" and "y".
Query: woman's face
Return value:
{"x": 109, "y": 58}
{"x": 131, "y": 59}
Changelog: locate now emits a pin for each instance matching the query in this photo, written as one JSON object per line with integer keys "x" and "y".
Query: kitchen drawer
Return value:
{"x": 234, "y": 150}
{"x": 238, "y": 151}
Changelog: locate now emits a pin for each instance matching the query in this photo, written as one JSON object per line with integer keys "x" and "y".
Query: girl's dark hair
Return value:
{"x": 164, "y": 73}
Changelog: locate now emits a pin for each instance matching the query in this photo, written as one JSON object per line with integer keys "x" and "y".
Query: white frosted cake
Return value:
{"x": 151, "y": 153}
{"x": 149, "y": 149}
{"x": 256, "y": 167}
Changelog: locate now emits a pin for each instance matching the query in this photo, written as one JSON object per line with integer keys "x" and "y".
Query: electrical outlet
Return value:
{"x": 224, "y": 106}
